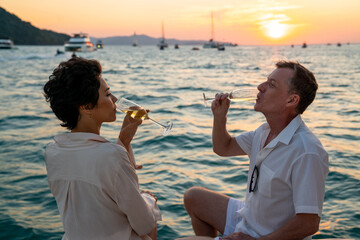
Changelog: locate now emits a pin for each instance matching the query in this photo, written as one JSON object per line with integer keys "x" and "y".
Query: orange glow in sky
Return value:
{"x": 238, "y": 21}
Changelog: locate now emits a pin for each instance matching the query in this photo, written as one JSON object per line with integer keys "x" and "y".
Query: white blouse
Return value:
{"x": 96, "y": 189}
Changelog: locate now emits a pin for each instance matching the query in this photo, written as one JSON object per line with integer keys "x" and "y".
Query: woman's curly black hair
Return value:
{"x": 72, "y": 84}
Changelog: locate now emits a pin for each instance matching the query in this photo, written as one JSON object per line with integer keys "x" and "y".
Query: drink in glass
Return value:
{"x": 138, "y": 112}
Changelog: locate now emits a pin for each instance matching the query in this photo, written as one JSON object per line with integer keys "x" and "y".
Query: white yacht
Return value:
{"x": 80, "y": 42}
{"x": 6, "y": 44}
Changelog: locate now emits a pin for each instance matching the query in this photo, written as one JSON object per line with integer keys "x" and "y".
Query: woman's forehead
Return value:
{"x": 103, "y": 83}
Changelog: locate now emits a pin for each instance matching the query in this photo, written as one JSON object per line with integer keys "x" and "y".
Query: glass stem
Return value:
{"x": 157, "y": 123}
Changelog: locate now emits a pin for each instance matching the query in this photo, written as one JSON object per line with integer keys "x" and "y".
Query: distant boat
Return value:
{"x": 211, "y": 43}
{"x": 230, "y": 44}
{"x": 304, "y": 45}
{"x": 99, "y": 44}
{"x": 80, "y": 42}
{"x": 162, "y": 44}
{"x": 339, "y": 44}
{"x": 176, "y": 46}
{"x": 6, "y": 44}
{"x": 135, "y": 43}
{"x": 195, "y": 49}
{"x": 221, "y": 47}
{"x": 58, "y": 52}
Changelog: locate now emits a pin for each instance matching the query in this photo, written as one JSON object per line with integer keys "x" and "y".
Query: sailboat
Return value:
{"x": 135, "y": 43}
{"x": 162, "y": 44}
{"x": 211, "y": 43}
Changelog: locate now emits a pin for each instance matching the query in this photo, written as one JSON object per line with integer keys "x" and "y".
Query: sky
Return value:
{"x": 250, "y": 22}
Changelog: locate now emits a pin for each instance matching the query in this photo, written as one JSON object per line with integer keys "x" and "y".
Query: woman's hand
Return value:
{"x": 128, "y": 129}
{"x": 127, "y": 133}
{"x": 145, "y": 191}
{"x": 221, "y": 104}
{"x": 138, "y": 167}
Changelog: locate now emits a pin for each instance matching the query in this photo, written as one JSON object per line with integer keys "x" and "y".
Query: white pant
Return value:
{"x": 231, "y": 220}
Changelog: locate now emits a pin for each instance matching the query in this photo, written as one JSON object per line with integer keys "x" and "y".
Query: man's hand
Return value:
{"x": 221, "y": 104}
{"x": 238, "y": 236}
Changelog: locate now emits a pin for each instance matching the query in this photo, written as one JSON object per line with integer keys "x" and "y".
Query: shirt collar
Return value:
{"x": 79, "y": 137}
{"x": 287, "y": 133}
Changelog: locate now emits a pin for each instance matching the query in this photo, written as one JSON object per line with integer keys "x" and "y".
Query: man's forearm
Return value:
{"x": 220, "y": 136}
{"x": 299, "y": 227}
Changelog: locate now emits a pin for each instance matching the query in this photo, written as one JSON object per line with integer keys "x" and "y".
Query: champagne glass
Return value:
{"x": 138, "y": 112}
{"x": 238, "y": 95}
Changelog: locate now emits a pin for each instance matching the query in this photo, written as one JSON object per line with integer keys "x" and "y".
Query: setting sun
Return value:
{"x": 274, "y": 29}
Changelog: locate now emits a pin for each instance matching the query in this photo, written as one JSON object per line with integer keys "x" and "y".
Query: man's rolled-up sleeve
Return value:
{"x": 245, "y": 141}
{"x": 308, "y": 184}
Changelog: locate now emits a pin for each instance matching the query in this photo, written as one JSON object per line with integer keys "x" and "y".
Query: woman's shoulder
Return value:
{"x": 111, "y": 161}
{"x": 117, "y": 157}
{"x": 116, "y": 149}
{"x": 92, "y": 148}
{"x": 116, "y": 162}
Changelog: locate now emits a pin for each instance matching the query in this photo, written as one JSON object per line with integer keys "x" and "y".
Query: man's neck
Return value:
{"x": 277, "y": 123}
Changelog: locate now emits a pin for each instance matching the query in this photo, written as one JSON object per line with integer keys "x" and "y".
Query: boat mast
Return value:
{"x": 135, "y": 39}
{"x": 162, "y": 29}
{"x": 212, "y": 26}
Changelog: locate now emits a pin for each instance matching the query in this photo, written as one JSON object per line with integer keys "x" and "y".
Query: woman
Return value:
{"x": 94, "y": 181}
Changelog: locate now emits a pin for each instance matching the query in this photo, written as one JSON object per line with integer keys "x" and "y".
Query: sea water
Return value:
{"x": 171, "y": 83}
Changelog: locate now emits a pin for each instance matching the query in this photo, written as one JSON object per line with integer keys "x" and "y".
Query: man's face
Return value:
{"x": 274, "y": 92}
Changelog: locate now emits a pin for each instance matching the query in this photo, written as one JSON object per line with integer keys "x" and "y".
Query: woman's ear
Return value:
{"x": 85, "y": 109}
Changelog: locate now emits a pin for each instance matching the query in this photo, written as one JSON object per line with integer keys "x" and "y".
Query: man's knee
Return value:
{"x": 192, "y": 197}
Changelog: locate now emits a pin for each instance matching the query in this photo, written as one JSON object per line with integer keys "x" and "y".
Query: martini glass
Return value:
{"x": 138, "y": 112}
{"x": 237, "y": 95}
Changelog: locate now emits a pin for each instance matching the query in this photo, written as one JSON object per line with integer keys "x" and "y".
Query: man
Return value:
{"x": 287, "y": 172}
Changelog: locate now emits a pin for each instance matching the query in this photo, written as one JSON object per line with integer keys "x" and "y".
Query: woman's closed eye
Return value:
{"x": 108, "y": 93}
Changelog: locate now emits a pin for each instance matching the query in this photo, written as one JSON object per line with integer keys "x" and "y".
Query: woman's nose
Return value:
{"x": 114, "y": 99}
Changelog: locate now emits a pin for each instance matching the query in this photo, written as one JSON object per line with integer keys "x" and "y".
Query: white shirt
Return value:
{"x": 96, "y": 189}
{"x": 292, "y": 174}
